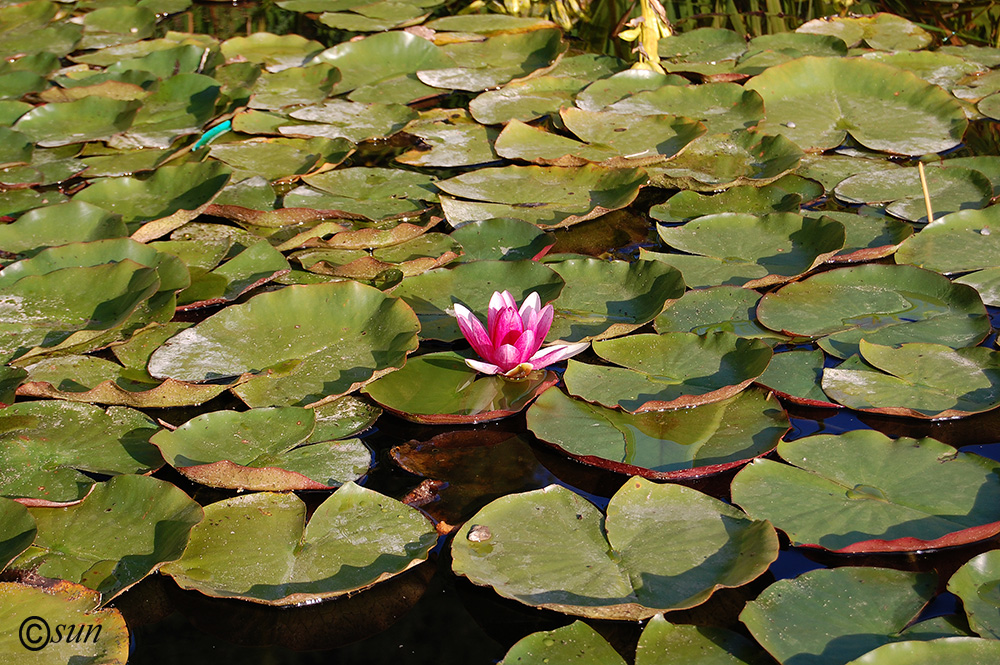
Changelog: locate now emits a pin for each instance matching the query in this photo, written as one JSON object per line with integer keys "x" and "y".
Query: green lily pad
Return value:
{"x": 668, "y": 371}
{"x": 918, "y": 380}
{"x": 977, "y": 583}
{"x": 884, "y": 32}
{"x": 383, "y": 67}
{"x": 449, "y": 137}
{"x": 281, "y": 157}
{"x": 111, "y": 26}
{"x": 498, "y": 240}
{"x": 702, "y": 45}
{"x": 353, "y": 540}
{"x": 719, "y": 161}
{"x": 34, "y": 622}
{"x": 526, "y": 100}
{"x": 486, "y": 23}
{"x": 959, "y": 242}
{"x": 254, "y": 266}
{"x": 550, "y": 197}
{"x": 941, "y": 651}
{"x": 716, "y": 309}
{"x": 44, "y": 227}
{"x": 376, "y": 193}
{"x": 489, "y": 63}
{"x": 385, "y": 15}
{"x": 18, "y": 529}
{"x": 986, "y": 282}
{"x": 722, "y": 107}
{"x": 563, "y": 645}
{"x": 271, "y": 449}
{"x": 660, "y": 547}
{"x": 611, "y": 139}
{"x": 171, "y": 195}
{"x": 460, "y": 395}
{"x": 121, "y": 532}
{"x": 797, "y": 376}
{"x": 433, "y": 294}
{"x": 661, "y": 445}
{"x": 605, "y": 299}
{"x": 51, "y": 446}
{"x": 868, "y": 238}
{"x": 622, "y": 86}
{"x": 310, "y": 84}
{"x": 302, "y": 343}
{"x": 88, "y": 119}
{"x": 951, "y": 189}
{"x": 862, "y": 492}
{"x": 338, "y": 118}
{"x": 179, "y": 107}
{"x": 883, "y": 304}
{"x": 941, "y": 69}
{"x": 837, "y": 614}
{"x": 10, "y": 379}
{"x": 817, "y": 102}
{"x": 662, "y": 641}
{"x": 275, "y": 52}
{"x": 687, "y": 205}
{"x": 767, "y": 250}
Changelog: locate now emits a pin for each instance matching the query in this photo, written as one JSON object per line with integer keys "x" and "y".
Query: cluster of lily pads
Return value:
{"x": 744, "y": 234}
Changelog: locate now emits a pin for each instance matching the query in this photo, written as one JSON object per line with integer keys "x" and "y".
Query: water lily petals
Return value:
{"x": 507, "y": 356}
{"x": 473, "y": 331}
{"x": 507, "y": 327}
{"x": 554, "y": 354}
{"x": 527, "y": 344}
{"x": 485, "y": 368}
{"x": 529, "y": 308}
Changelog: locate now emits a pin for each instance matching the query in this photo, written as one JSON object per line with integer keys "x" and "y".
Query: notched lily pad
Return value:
{"x": 459, "y": 395}
{"x": 668, "y": 371}
{"x": 270, "y": 449}
{"x": 660, "y": 547}
{"x": 353, "y": 540}
{"x": 977, "y": 583}
{"x": 661, "y": 445}
{"x": 861, "y": 491}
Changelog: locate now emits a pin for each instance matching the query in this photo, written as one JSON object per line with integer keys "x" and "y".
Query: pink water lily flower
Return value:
{"x": 510, "y": 342}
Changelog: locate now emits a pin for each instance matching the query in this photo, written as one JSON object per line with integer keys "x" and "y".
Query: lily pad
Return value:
{"x": 459, "y": 396}
{"x": 837, "y": 614}
{"x": 563, "y": 645}
{"x": 605, "y": 299}
{"x": 868, "y": 238}
{"x": 660, "y": 547}
{"x": 717, "y": 309}
{"x": 353, "y": 540}
{"x": 816, "y": 102}
{"x": 977, "y": 583}
{"x": 449, "y": 137}
{"x": 45, "y": 227}
{"x": 271, "y": 449}
{"x": 489, "y": 63}
{"x": 951, "y": 189}
{"x": 986, "y": 282}
{"x": 661, "y": 445}
{"x": 526, "y": 100}
{"x": 722, "y": 107}
{"x": 668, "y": 371}
{"x": 302, "y": 343}
{"x": 281, "y": 157}
{"x": 18, "y": 529}
{"x": 52, "y": 446}
{"x": 87, "y": 119}
{"x": 885, "y": 32}
{"x": 549, "y": 197}
{"x": 941, "y": 651}
{"x": 275, "y": 52}
{"x": 179, "y": 107}
{"x": 121, "y": 532}
{"x": 356, "y": 122}
{"x": 376, "y": 193}
{"x": 959, "y": 242}
{"x": 310, "y": 84}
{"x": 883, "y": 304}
{"x": 433, "y": 293}
{"x": 746, "y": 199}
{"x": 918, "y": 380}
{"x": 498, "y": 240}
{"x": 797, "y": 376}
{"x": 662, "y": 642}
{"x": 861, "y": 492}
{"x": 32, "y": 617}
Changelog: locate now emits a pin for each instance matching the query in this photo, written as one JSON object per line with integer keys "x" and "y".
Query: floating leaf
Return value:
{"x": 722, "y": 107}
{"x": 885, "y": 32}
{"x": 460, "y": 395}
{"x": 121, "y": 532}
{"x": 668, "y": 371}
{"x": 296, "y": 85}
{"x": 660, "y": 547}
{"x": 661, "y": 445}
{"x": 816, "y": 102}
{"x": 563, "y": 645}
{"x": 275, "y": 52}
{"x": 694, "y": 645}
{"x": 862, "y": 492}
{"x": 338, "y": 118}
{"x": 49, "y": 445}
{"x": 18, "y": 529}
{"x": 986, "y": 282}
{"x": 449, "y": 137}
{"x": 687, "y": 205}
{"x": 921, "y": 380}
{"x": 959, "y": 242}
{"x": 353, "y": 540}
{"x": 77, "y": 122}
{"x": 933, "y": 652}
{"x": 797, "y": 375}
{"x": 282, "y": 158}
{"x": 716, "y": 309}
{"x": 261, "y": 449}
{"x": 489, "y": 63}
{"x": 883, "y": 304}
{"x": 525, "y": 100}
{"x": 376, "y": 193}
{"x": 604, "y": 299}
{"x": 45, "y": 227}
{"x": 951, "y": 189}
{"x": 977, "y": 583}
{"x": 498, "y": 240}
{"x": 304, "y": 343}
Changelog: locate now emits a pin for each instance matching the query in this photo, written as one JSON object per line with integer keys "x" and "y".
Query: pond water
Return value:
{"x": 742, "y": 240}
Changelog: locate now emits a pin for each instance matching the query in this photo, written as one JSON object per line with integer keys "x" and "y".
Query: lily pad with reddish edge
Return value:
{"x": 354, "y": 539}
{"x": 267, "y": 449}
{"x": 917, "y": 380}
{"x": 659, "y": 547}
{"x": 884, "y": 304}
{"x": 121, "y": 532}
{"x": 716, "y": 309}
{"x": 867, "y": 238}
{"x": 440, "y": 389}
{"x": 499, "y": 240}
{"x": 668, "y": 371}
{"x": 861, "y": 491}
{"x": 661, "y": 445}
{"x": 50, "y": 447}
{"x": 796, "y": 376}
